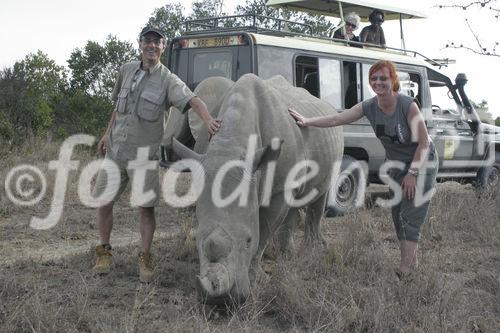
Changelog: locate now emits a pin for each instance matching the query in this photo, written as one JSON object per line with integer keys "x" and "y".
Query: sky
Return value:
{"x": 57, "y": 27}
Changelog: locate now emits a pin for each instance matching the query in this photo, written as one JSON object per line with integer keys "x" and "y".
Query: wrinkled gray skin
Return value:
{"x": 231, "y": 240}
{"x": 213, "y": 91}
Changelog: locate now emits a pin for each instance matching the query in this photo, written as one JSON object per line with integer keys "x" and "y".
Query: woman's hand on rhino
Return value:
{"x": 299, "y": 119}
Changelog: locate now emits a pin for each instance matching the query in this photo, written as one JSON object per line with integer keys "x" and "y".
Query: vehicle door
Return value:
{"x": 452, "y": 136}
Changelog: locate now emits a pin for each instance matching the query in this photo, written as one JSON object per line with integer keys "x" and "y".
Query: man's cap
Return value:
{"x": 152, "y": 29}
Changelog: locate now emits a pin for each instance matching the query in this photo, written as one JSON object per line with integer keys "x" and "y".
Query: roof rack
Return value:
{"x": 247, "y": 22}
{"x": 279, "y": 27}
{"x": 445, "y": 61}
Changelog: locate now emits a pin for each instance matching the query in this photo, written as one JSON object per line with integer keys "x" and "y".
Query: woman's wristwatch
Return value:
{"x": 413, "y": 171}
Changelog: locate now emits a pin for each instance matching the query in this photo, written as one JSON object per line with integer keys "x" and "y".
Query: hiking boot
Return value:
{"x": 104, "y": 259}
{"x": 404, "y": 276}
{"x": 145, "y": 267}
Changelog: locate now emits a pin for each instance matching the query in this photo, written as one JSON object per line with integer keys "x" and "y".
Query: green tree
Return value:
{"x": 168, "y": 19}
{"x": 95, "y": 67}
{"x": 258, "y": 7}
{"x": 14, "y": 105}
{"x": 207, "y": 8}
{"x": 6, "y": 128}
{"x": 29, "y": 92}
{"x": 482, "y": 110}
{"x": 318, "y": 23}
{"x": 44, "y": 77}
{"x": 88, "y": 114}
{"x": 497, "y": 121}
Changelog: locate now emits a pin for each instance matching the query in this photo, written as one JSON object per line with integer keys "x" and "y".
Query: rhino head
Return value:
{"x": 227, "y": 238}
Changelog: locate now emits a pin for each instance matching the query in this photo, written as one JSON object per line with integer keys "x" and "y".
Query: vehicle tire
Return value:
{"x": 488, "y": 180}
{"x": 349, "y": 189}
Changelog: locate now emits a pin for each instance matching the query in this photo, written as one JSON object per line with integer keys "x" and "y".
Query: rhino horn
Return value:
{"x": 184, "y": 152}
{"x": 217, "y": 245}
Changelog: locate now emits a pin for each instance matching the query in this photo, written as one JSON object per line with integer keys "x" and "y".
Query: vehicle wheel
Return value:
{"x": 349, "y": 189}
{"x": 488, "y": 180}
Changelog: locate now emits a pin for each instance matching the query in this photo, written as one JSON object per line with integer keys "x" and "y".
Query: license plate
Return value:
{"x": 214, "y": 41}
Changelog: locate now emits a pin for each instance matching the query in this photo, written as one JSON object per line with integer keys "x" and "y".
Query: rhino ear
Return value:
{"x": 267, "y": 154}
{"x": 185, "y": 152}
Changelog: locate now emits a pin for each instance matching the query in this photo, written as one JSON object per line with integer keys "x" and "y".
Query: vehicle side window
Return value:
{"x": 306, "y": 74}
{"x": 410, "y": 85}
{"x": 274, "y": 61}
{"x": 329, "y": 82}
{"x": 351, "y": 89}
{"x": 443, "y": 103}
{"x": 366, "y": 89}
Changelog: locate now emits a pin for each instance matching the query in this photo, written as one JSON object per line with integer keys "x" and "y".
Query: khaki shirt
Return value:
{"x": 139, "y": 113}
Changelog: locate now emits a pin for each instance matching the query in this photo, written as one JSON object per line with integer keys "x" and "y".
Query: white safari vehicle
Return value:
{"x": 338, "y": 73}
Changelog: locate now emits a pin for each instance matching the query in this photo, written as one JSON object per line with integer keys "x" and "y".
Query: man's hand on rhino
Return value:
{"x": 200, "y": 108}
{"x": 212, "y": 125}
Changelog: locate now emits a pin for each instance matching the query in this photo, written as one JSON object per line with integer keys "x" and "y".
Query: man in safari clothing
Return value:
{"x": 143, "y": 91}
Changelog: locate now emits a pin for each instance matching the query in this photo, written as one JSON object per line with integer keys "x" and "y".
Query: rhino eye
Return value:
{"x": 249, "y": 241}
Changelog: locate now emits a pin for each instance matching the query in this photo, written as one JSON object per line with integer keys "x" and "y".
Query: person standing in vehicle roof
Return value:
{"x": 400, "y": 127}
{"x": 352, "y": 21}
{"x": 143, "y": 92}
{"x": 374, "y": 34}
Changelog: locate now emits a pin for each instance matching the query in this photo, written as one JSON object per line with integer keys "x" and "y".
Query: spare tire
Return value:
{"x": 349, "y": 189}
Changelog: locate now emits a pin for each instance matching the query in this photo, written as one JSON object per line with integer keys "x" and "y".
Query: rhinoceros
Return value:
{"x": 231, "y": 239}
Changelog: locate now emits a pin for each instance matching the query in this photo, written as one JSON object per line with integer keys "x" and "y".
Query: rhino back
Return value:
{"x": 260, "y": 107}
{"x": 323, "y": 145}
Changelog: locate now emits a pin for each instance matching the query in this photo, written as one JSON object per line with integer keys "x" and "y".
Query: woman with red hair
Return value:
{"x": 399, "y": 125}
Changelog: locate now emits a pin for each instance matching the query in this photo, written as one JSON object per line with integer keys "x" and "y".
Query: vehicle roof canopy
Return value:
{"x": 335, "y": 8}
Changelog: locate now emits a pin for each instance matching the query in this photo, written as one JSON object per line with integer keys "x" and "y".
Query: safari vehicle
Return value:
{"x": 338, "y": 73}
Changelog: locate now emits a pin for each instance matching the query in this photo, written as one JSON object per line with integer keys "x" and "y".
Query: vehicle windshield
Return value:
{"x": 212, "y": 64}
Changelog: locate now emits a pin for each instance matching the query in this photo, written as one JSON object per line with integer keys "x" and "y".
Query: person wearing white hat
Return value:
{"x": 352, "y": 21}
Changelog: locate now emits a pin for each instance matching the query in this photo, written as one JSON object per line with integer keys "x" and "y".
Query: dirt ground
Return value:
{"x": 349, "y": 286}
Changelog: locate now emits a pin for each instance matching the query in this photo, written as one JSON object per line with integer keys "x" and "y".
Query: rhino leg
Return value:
{"x": 314, "y": 214}
{"x": 270, "y": 218}
{"x": 284, "y": 234}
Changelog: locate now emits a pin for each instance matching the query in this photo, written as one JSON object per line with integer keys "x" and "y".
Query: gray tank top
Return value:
{"x": 392, "y": 130}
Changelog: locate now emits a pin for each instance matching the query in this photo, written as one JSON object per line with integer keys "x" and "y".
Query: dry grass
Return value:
{"x": 46, "y": 286}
